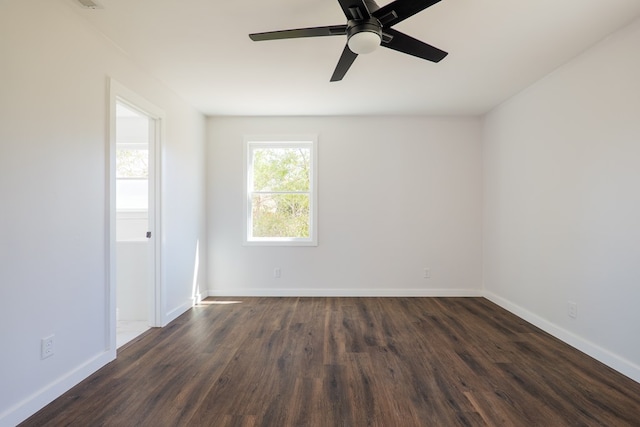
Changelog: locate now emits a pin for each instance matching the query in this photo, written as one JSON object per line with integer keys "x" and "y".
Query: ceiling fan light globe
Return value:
{"x": 364, "y": 42}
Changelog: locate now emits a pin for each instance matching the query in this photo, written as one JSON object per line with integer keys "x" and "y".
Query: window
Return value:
{"x": 281, "y": 198}
{"x": 132, "y": 159}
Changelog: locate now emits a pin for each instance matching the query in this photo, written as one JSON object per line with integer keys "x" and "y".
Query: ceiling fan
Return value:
{"x": 368, "y": 26}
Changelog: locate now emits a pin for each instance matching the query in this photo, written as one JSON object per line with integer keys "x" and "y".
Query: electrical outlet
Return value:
{"x": 572, "y": 309}
{"x": 427, "y": 273}
{"x": 276, "y": 272}
{"x": 46, "y": 347}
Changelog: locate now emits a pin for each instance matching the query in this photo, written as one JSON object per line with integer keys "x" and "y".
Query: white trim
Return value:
{"x": 47, "y": 394}
{"x": 119, "y": 93}
{"x": 281, "y": 141}
{"x": 610, "y": 359}
{"x": 197, "y": 298}
{"x": 347, "y": 292}
{"x": 111, "y": 213}
{"x": 177, "y": 312}
{"x": 155, "y": 221}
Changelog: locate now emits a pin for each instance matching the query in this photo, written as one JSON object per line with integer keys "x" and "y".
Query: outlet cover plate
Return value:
{"x": 572, "y": 309}
{"x": 46, "y": 347}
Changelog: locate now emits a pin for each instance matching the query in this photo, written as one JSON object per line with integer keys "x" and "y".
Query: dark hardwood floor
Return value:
{"x": 348, "y": 362}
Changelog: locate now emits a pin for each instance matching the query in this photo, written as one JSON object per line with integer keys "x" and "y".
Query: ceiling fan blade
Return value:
{"x": 399, "y": 10}
{"x": 330, "y": 30}
{"x": 401, "y": 42}
{"x": 346, "y": 59}
{"x": 354, "y": 9}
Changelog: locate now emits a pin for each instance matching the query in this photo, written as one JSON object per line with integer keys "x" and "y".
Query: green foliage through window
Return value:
{"x": 281, "y": 169}
{"x": 132, "y": 163}
{"x": 280, "y": 215}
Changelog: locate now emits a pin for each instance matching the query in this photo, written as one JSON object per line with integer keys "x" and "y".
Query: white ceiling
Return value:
{"x": 201, "y": 49}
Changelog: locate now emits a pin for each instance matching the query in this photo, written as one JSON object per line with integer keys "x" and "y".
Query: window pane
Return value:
{"x": 132, "y": 163}
{"x": 281, "y": 169}
{"x": 280, "y": 215}
{"x": 132, "y": 194}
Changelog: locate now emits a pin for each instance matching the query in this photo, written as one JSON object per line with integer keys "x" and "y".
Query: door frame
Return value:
{"x": 119, "y": 93}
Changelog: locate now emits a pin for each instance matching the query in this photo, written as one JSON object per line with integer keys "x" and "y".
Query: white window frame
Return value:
{"x": 278, "y": 141}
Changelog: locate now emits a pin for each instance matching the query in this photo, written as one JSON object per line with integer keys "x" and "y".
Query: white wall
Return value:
{"x": 396, "y": 195}
{"x": 53, "y": 239}
{"x": 562, "y": 202}
{"x": 132, "y": 278}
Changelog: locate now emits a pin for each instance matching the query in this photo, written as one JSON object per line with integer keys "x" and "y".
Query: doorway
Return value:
{"x": 134, "y": 254}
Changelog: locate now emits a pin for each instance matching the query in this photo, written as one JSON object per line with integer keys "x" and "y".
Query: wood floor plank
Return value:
{"x": 348, "y": 362}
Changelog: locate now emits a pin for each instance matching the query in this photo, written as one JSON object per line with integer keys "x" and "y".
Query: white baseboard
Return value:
{"x": 198, "y": 298}
{"x": 329, "y": 292}
{"x": 610, "y": 359}
{"x": 47, "y": 394}
{"x": 172, "y": 315}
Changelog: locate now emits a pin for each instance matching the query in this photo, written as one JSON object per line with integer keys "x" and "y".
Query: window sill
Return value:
{"x": 280, "y": 243}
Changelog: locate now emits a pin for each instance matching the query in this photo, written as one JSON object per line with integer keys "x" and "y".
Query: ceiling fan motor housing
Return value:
{"x": 359, "y": 35}
{"x": 371, "y": 25}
